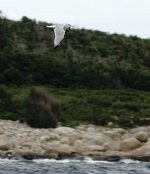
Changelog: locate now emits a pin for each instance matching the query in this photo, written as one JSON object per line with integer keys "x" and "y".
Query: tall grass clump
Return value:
{"x": 42, "y": 109}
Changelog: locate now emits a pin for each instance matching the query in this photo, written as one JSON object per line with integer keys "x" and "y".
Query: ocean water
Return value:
{"x": 87, "y": 166}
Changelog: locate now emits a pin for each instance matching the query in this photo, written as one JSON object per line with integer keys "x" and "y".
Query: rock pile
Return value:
{"x": 19, "y": 140}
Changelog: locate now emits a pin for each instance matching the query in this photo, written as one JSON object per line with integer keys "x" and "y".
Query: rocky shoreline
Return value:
{"x": 19, "y": 141}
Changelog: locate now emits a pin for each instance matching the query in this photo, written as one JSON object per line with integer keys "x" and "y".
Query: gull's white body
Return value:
{"x": 59, "y": 30}
{"x": 59, "y": 34}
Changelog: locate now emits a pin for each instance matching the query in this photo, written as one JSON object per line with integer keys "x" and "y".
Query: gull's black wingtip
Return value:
{"x": 56, "y": 46}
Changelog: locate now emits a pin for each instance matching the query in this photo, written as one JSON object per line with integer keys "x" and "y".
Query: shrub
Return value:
{"x": 6, "y": 102}
{"x": 42, "y": 109}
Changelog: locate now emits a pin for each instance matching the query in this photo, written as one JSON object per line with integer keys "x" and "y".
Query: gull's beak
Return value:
{"x": 73, "y": 27}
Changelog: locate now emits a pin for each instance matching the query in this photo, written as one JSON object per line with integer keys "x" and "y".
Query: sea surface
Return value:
{"x": 87, "y": 166}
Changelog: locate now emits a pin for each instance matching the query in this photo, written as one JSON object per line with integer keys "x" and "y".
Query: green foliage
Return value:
{"x": 8, "y": 108}
{"x": 86, "y": 59}
{"x": 5, "y": 100}
{"x": 41, "y": 109}
{"x": 125, "y": 108}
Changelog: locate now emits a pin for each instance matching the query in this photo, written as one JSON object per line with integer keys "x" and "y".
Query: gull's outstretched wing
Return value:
{"x": 59, "y": 34}
{"x": 50, "y": 26}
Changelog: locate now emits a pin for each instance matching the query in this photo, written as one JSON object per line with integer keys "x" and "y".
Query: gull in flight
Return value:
{"x": 60, "y": 30}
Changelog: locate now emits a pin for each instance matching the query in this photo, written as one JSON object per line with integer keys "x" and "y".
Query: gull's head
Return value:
{"x": 68, "y": 26}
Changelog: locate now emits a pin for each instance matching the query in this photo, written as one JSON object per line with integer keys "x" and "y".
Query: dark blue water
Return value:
{"x": 73, "y": 167}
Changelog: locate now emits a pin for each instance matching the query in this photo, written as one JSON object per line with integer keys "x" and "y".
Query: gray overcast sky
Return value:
{"x": 130, "y": 17}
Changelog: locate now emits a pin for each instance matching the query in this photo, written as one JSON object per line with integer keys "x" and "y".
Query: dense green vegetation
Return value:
{"x": 98, "y": 77}
{"x": 86, "y": 59}
{"x": 121, "y": 107}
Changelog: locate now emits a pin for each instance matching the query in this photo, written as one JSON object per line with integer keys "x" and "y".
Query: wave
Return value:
{"x": 129, "y": 161}
{"x": 52, "y": 161}
{"x": 5, "y": 160}
{"x": 91, "y": 161}
{"x": 85, "y": 160}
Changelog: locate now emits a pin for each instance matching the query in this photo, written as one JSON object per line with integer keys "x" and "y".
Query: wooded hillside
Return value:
{"x": 86, "y": 59}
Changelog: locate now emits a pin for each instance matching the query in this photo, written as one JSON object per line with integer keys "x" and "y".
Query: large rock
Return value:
{"x": 48, "y": 145}
{"x": 129, "y": 144}
{"x": 51, "y": 153}
{"x": 138, "y": 129}
{"x": 65, "y": 140}
{"x": 2, "y": 154}
{"x": 27, "y": 144}
{"x": 94, "y": 138}
{"x": 114, "y": 135}
{"x": 4, "y": 143}
{"x": 97, "y": 148}
{"x": 49, "y": 137}
{"x": 119, "y": 130}
{"x": 147, "y": 143}
{"x": 63, "y": 130}
{"x": 91, "y": 129}
{"x": 81, "y": 127}
{"x": 79, "y": 145}
{"x": 20, "y": 154}
{"x": 75, "y": 135}
{"x": 66, "y": 148}
{"x": 142, "y": 151}
{"x": 62, "y": 148}
{"x": 95, "y": 155}
{"x": 112, "y": 145}
{"x": 142, "y": 136}
{"x": 116, "y": 153}
{"x": 127, "y": 136}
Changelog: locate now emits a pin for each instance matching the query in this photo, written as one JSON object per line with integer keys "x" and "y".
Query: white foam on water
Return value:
{"x": 86, "y": 160}
{"x": 5, "y": 160}
{"x": 53, "y": 161}
{"x": 129, "y": 161}
{"x": 91, "y": 161}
